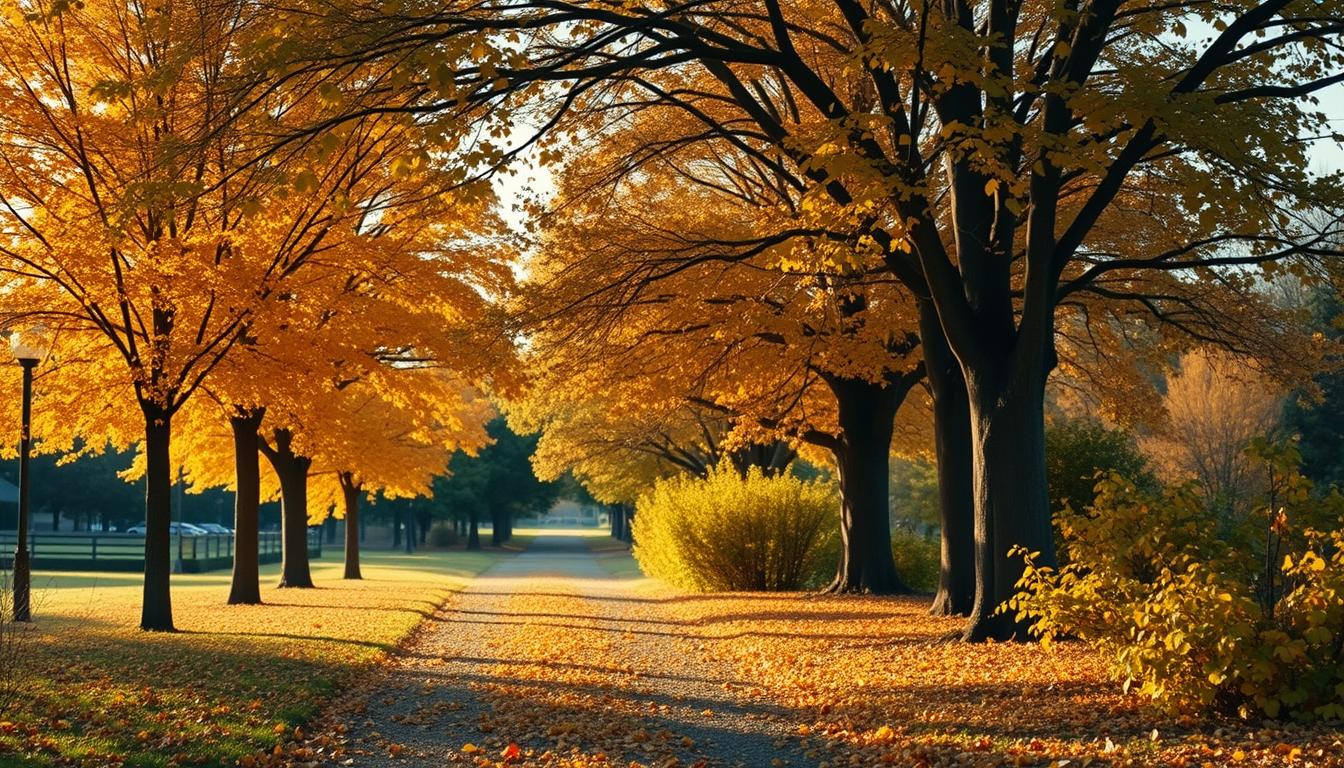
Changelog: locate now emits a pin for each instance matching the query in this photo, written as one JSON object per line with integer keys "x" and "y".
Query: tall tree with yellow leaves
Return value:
{"x": 981, "y": 150}
{"x": 151, "y": 217}
{"x": 691, "y": 303}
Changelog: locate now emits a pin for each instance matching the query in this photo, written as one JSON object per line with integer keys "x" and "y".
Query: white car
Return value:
{"x": 174, "y": 529}
{"x": 214, "y": 528}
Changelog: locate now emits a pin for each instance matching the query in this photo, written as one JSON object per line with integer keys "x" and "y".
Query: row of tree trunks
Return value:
{"x": 292, "y": 469}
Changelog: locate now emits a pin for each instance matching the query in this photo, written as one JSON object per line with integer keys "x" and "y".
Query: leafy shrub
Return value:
{"x": 1195, "y": 618}
{"x": 442, "y": 535}
{"x": 914, "y": 493}
{"x": 918, "y": 559}
{"x": 1076, "y": 450}
{"x": 729, "y": 532}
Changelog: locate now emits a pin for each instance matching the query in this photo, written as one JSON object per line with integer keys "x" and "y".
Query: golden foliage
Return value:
{"x": 729, "y": 532}
{"x": 1199, "y": 617}
{"x": 1215, "y": 405}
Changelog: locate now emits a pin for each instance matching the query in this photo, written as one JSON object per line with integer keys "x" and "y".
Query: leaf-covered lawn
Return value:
{"x": 586, "y": 678}
{"x": 233, "y": 681}
{"x": 872, "y": 682}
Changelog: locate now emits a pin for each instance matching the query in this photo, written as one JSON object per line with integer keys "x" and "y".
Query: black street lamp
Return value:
{"x": 29, "y": 349}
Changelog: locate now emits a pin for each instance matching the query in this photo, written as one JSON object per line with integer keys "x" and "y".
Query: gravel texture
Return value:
{"x": 551, "y": 652}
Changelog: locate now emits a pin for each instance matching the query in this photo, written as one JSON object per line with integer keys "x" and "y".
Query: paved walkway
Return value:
{"x": 550, "y": 652}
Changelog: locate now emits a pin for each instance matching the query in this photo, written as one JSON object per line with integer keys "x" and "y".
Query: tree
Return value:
{"x": 989, "y": 142}
{"x": 498, "y": 482}
{"x": 111, "y": 235}
{"x": 1215, "y": 405}
{"x": 699, "y": 307}
{"x": 393, "y": 438}
{"x": 1316, "y": 413}
{"x": 1078, "y": 451}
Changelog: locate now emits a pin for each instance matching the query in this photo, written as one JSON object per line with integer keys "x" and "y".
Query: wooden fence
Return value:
{"x": 60, "y": 551}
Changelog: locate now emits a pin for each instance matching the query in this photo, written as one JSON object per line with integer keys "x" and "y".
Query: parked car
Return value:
{"x": 215, "y": 528}
{"x": 174, "y": 529}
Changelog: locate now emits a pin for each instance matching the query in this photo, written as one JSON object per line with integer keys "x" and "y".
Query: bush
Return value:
{"x": 1076, "y": 450}
{"x": 729, "y": 532}
{"x": 1251, "y": 622}
{"x": 918, "y": 559}
{"x": 442, "y": 535}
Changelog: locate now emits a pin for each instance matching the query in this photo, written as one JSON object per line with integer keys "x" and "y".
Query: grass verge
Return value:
{"x": 232, "y": 682}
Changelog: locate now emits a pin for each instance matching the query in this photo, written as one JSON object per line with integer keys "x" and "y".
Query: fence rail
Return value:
{"x": 77, "y": 551}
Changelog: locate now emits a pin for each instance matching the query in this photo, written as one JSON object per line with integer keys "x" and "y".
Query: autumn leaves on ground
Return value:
{"x": 565, "y": 655}
{"x": 95, "y": 691}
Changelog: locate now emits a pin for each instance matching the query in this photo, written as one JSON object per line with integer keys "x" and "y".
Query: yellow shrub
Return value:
{"x": 918, "y": 559}
{"x": 729, "y": 532}
{"x": 1189, "y": 619}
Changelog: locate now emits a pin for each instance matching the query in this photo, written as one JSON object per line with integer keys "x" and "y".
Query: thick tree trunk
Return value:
{"x": 350, "y": 492}
{"x": 156, "y": 611}
{"x": 952, "y": 446}
{"x": 396, "y": 530}
{"x": 867, "y": 412}
{"x": 292, "y": 469}
{"x": 616, "y": 518}
{"x": 1011, "y": 501}
{"x": 245, "y": 588}
{"x": 474, "y": 531}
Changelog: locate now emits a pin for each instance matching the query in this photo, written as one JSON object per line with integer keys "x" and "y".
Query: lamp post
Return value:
{"x": 29, "y": 349}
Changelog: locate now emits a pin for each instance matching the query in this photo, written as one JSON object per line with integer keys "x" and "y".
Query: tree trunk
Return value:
{"x": 350, "y": 492}
{"x": 867, "y": 412}
{"x": 156, "y": 611}
{"x": 496, "y": 527}
{"x": 56, "y": 519}
{"x": 245, "y": 588}
{"x": 396, "y": 528}
{"x": 616, "y": 519}
{"x": 292, "y": 469}
{"x": 424, "y": 519}
{"x": 1011, "y": 501}
{"x": 474, "y": 531}
{"x": 952, "y": 446}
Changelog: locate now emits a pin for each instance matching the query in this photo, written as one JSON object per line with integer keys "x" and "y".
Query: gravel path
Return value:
{"x": 550, "y": 652}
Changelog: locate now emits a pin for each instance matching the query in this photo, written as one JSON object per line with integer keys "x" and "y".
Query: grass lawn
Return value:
{"x": 233, "y": 681}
